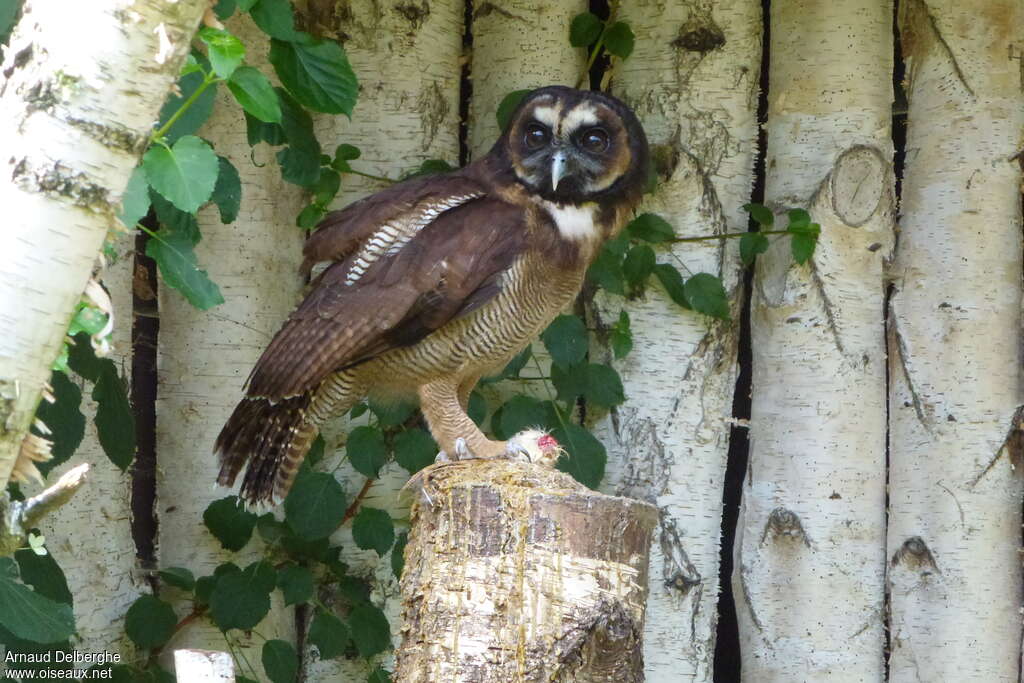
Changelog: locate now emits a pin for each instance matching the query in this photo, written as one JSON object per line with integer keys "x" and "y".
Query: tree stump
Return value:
{"x": 516, "y": 572}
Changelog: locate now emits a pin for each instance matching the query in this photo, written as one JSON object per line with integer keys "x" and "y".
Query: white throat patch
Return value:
{"x": 573, "y": 222}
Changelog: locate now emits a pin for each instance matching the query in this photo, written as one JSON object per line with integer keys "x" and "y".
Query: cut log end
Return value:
{"x": 516, "y": 572}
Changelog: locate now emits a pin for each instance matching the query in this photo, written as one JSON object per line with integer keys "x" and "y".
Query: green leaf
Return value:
{"x": 185, "y": 174}
{"x": 316, "y": 451}
{"x": 398, "y": 554}
{"x": 87, "y": 319}
{"x": 638, "y": 265}
{"x": 585, "y": 29}
{"x": 521, "y": 412}
{"x": 315, "y": 506}
{"x": 650, "y": 228}
{"x": 706, "y": 295}
{"x": 179, "y": 577}
{"x": 327, "y": 186}
{"x": 174, "y": 219}
{"x": 391, "y": 413}
{"x": 245, "y": 5}
{"x": 296, "y": 584}
{"x": 44, "y": 575}
{"x": 227, "y": 193}
{"x": 415, "y": 449}
{"x": 277, "y": 20}
{"x": 672, "y": 281}
{"x": 752, "y": 244}
{"x": 379, "y": 675}
{"x": 238, "y": 600}
{"x": 329, "y": 634}
{"x": 257, "y": 131}
{"x": 8, "y": 16}
{"x": 280, "y": 661}
{"x": 82, "y": 359}
{"x": 64, "y": 419}
{"x": 431, "y": 167}
{"x": 135, "y": 200}
{"x": 176, "y": 259}
{"x": 204, "y": 589}
{"x": 345, "y": 152}
{"x": 599, "y": 384}
{"x": 508, "y": 105}
{"x": 619, "y": 39}
{"x": 253, "y": 91}
{"x": 150, "y": 622}
{"x": 586, "y": 455}
{"x": 798, "y": 218}
{"x": 224, "y": 9}
{"x": 477, "y": 409}
{"x": 297, "y": 125}
{"x": 310, "y": 216}
{"x": 803, "y": 241}
{"x": 606, "y": 272}
{"x": 229, "y": 522}
{"x": 566, "y": 340}
{"x": 760, "y": 213}
{"x": 224, "y": 50}
{"x": 32, "y": 616}
{"x": 318, "y": 75}
{"x": 115, "y": 422}
{"x": 299, "y": 167}
{"x": 621, "y": 336}
{"x": 372, "y": 529}
{"x": 197, "y": 113}
{"x": 366, "y": 451}
{"x": 370, "y": 629}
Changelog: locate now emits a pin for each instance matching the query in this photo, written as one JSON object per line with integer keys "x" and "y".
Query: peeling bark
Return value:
{"x": 811, "y": 534}
{"x": 955, "y": 502}
{"x": 517, "y": 572}
{"x": 75, "y": 115}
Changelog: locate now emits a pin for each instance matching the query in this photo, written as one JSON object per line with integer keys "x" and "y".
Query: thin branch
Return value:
{"x": 20, "y": 516}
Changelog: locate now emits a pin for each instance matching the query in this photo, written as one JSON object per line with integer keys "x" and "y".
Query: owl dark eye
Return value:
{"x": 594, "y": 140}
{"x": 536, "y": 136}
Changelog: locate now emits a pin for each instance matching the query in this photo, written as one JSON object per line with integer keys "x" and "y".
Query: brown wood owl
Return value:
{"x": 438, "y": 281}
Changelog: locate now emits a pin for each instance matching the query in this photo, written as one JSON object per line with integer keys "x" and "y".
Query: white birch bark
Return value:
{"x": 693, "y": 81}
{"x": 954, "y": 346}
{"x": 517, "y": 45}
{"x": 101, "y": 568}
{"x": 205, "y": 356}
{"x": 407, "y": 59}
{"x": 810, "y": 538}
{"x": 74, "y": 117}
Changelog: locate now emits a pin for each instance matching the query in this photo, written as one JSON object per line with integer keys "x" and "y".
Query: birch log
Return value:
{"x": 101, "y": 571}
{"x": 205, "y": 356}
{"x": 693, "y": 81}
{"x": 516, "y": 572}
{"x": 75, "y": 115}
{"x": 809, "y": 578}
{"x": 954, "y": 349}
{"x": 407, "y": 59}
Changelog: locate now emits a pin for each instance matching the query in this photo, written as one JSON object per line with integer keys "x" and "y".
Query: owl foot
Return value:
{"x": 530, "y": 445}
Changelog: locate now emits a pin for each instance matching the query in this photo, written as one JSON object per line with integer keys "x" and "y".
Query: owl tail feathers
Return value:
{"x": 273, "y": 438}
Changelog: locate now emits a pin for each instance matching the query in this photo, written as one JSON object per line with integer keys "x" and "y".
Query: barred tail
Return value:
{"x": 273, "y": 437}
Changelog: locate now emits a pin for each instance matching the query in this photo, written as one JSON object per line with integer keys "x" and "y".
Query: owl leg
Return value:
{"x": 442, "y": 404}
{"x": 465, "y": 389}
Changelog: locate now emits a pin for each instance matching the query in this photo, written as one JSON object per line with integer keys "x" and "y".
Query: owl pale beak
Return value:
{"x": 558, "y": 167}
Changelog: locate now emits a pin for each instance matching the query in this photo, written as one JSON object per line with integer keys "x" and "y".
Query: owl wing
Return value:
{"x": 399, "y": 276}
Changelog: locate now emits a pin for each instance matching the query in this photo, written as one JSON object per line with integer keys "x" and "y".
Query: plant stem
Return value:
{"x": 208, "y": 80}
{"x": 350, "y": 512}
{"x": 725, "y": 236}
{"x": 379, "y": 178}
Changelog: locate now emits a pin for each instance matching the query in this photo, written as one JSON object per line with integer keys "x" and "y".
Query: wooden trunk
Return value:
{"x": 516, "y": 572}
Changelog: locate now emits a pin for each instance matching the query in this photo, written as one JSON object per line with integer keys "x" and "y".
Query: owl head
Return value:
{"x": 575, "y": 146}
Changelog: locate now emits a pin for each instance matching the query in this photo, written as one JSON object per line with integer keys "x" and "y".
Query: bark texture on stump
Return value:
{"x": 516, "y": 572}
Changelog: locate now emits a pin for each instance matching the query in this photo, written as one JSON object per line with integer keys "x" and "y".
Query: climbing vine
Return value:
{"x": 300, "y": 557}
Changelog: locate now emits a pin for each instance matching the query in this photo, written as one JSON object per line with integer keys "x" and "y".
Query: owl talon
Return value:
{"x": 462, "y": 451}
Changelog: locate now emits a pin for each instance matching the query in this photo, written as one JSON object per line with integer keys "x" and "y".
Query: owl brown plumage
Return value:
{"x": 438, "y": 281}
